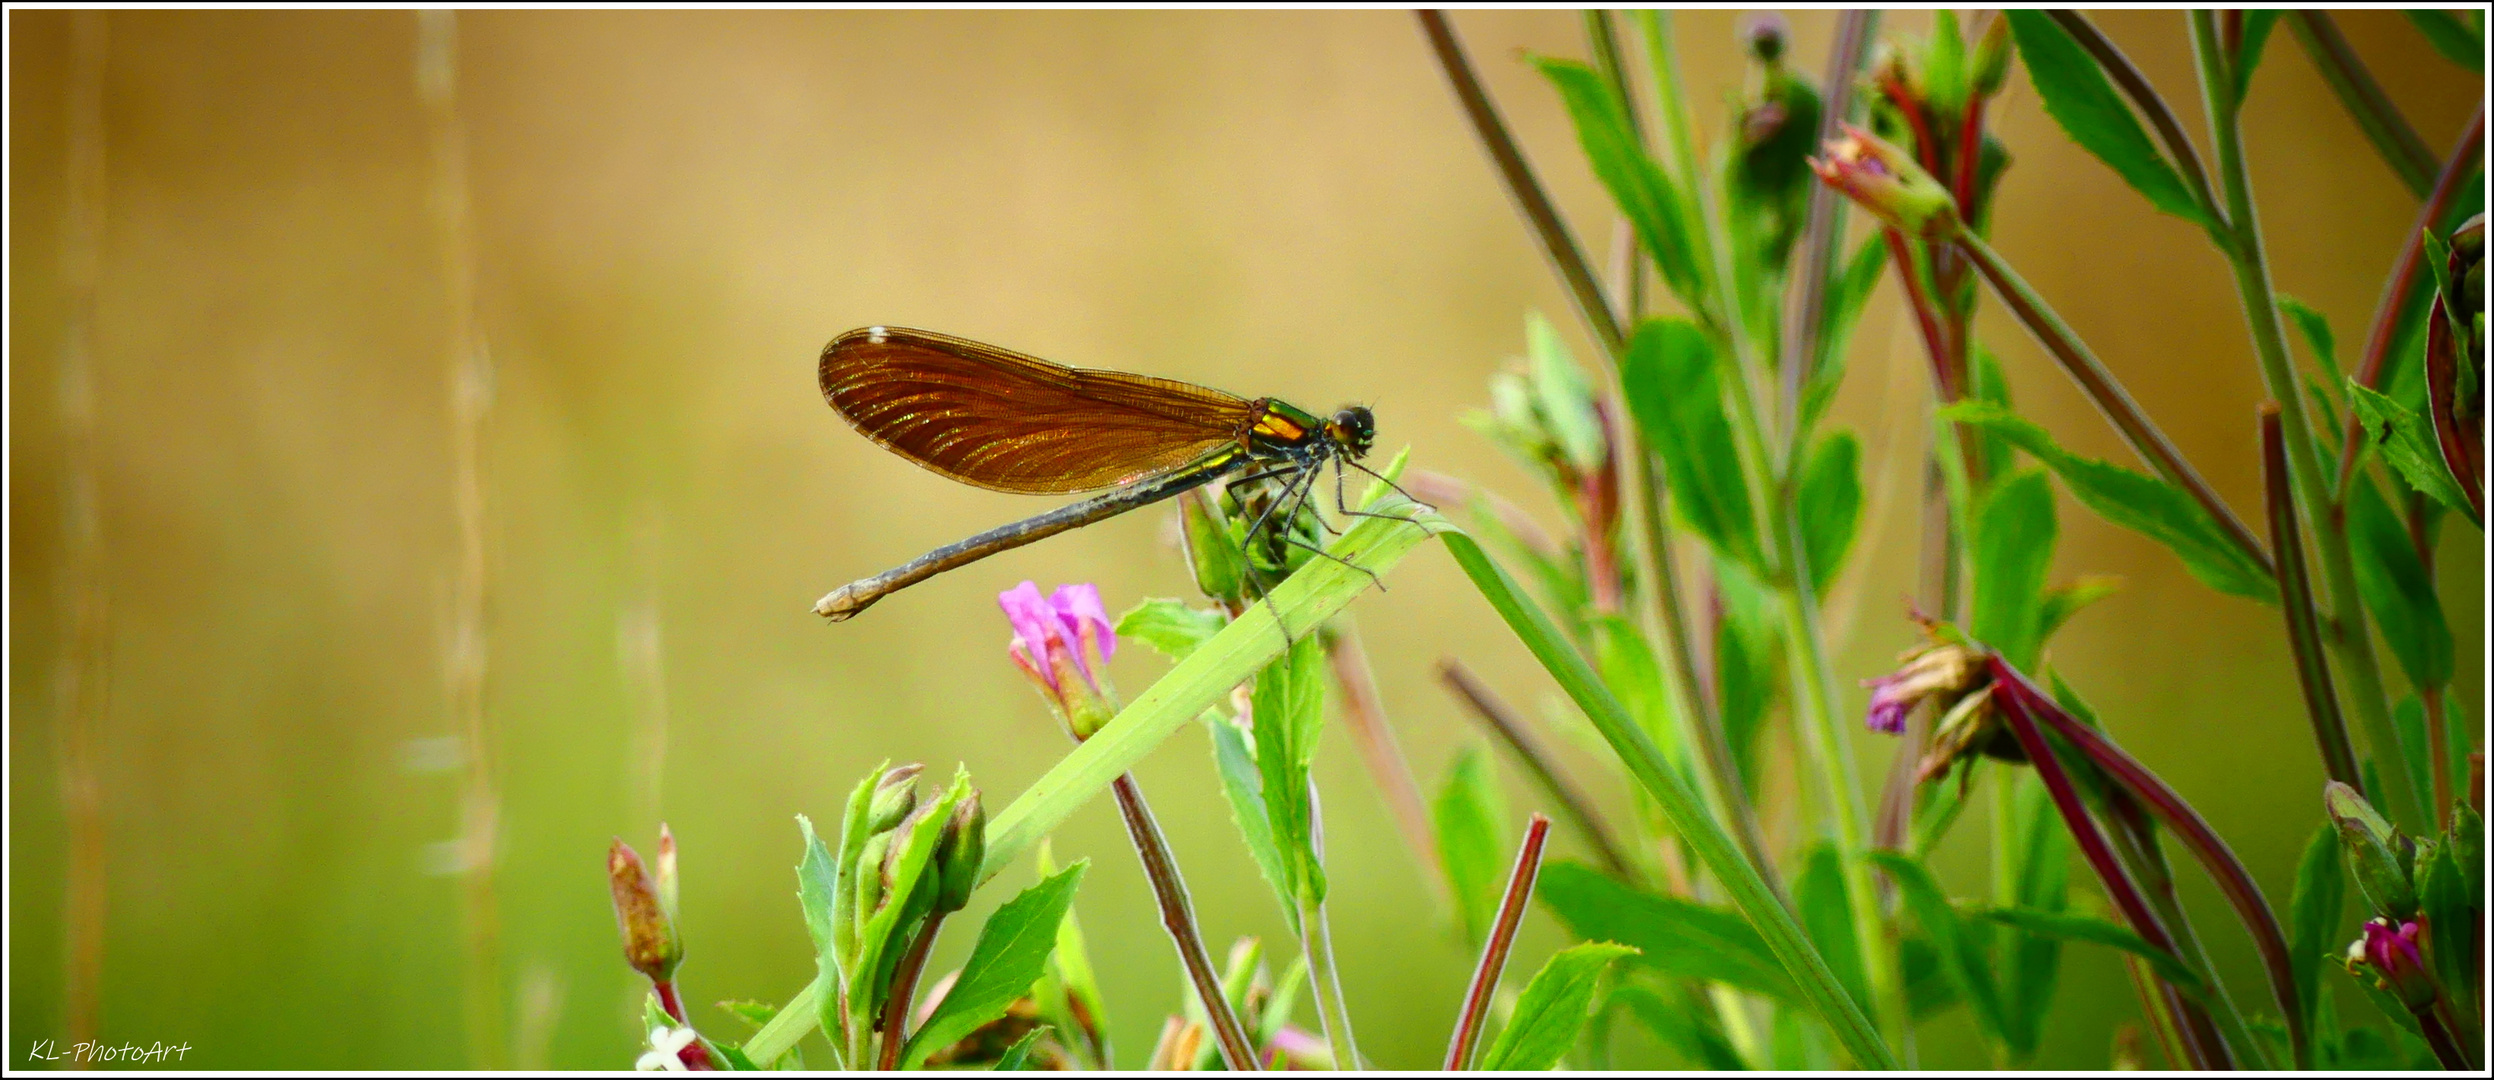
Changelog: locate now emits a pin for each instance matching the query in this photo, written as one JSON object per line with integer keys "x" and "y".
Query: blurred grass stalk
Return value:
{"x": 81, "y": 681}
{"x": 471, "y": 400}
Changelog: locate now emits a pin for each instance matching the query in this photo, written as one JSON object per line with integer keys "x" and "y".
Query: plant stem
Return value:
{"x": 1316, "y": 940}
{"x": 1177, "y": 916}
{"x": 2144, "y": 437}
{"x": 2446, "y": 1048}
{"x": 2303, "y": 618}
{"x": 1375, "y": 737}
{"x": 2402, "y": 285}
{"x": 2346, "y": 616}
{"x": 1484, "y": 986}
{"x": 695, "y": 1056}
{"x": 1510, "y": 729}
{"x": 1824, "y": 221}
{"x": 1558, "y": 244}
{"x": 2401, "y": 149}
{"x": 895, "y": 1023}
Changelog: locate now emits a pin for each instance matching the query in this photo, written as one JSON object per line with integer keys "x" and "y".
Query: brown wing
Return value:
{"x": 1002, "y": 420}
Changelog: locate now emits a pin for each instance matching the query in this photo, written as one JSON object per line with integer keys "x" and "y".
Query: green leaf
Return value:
{"x": 2457, "y": 919}
{"x": 1820, "y": 900}
{"x": 2063, "y": 601}
{"x": 1961, "y": 954}
{"x": 1987, "y": 383}
{"x": 2256, "y": 27}
{"x": 2013, "y": 536}
{"x": 2396, "y": 586}
{"x": 2457, "y": 41}
{"x": 1944, "y": 65}
{"x": 1831, "y": 505}
{"x": 1235, "y": 759}
{"x": 1643, "y": 191}
{"x": 1017, "y": 1057}
{"x": 1562, "y": 396}
{"x": 752, "y": 1014}
{"x": 1169, "y": 627}
{"x": 1680, "y": 1025}
{"x": 2087, "y": 928}
{"x": 2312, "y": 918}
{"x": 2083, "y": 101}
{"x": 1288, "y": 709}
{"x": 1676, "y": 937}
{"x": 1748, "y": 664}
{"x": 1928, "y": 989}
{"x": 2134, "y": 501}
{"x": 1554, "y": 1007}
{"x": 2407, "y": 442}
{"x": 1075, "y": 1007}
{"x": 1669, "y": 378}
{"x": 1011, "y": 953}
{"x": 1471, "y": 844}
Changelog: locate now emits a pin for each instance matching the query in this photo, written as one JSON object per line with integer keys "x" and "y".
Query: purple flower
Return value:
{"x": 2397, "y": 962}
{"x": 1063, "y": 642}
{"x": 1931, "y": 672}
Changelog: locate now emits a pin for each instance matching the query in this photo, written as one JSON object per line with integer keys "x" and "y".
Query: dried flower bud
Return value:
{"x": 896, "y": 794}
{"x": 649, "y": 937}
{"x": 1939, "y": 672}
{"x": 2375, "y": 851}
{"x": 1886, "y": 181}
{"x": 960, "y": 852}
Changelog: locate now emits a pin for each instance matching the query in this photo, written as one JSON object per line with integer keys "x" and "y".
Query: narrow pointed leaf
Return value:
{"x": 2078, "y": 96}
{"x": 1011, "y": 953}
{"x": 1553, "y": 1008}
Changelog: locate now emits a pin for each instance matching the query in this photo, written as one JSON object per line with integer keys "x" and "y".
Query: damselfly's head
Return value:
{"x": 1354, "y": 428}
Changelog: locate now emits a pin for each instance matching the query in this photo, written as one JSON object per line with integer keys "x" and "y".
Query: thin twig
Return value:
{"x": 1825, "y": 218}
{"x": 1510, "y": 729}
{"x": 2303, "y": 620}
{"x": 2401, "y": 148}
{"x": 2404, "y": 281}
{"x": 1557, "y": 243}
{"x": 1484, "y": 984}
{"x": 1177, "y": 916}
{"x": 2150, "y": 104}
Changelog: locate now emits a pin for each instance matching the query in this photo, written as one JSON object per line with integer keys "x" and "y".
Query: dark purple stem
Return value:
{"x": 1476, "y": 998}
{"x": 1177, "y": 916}
{"x": 2446, "y": 1048}
{"x": 2303, "y": 617}
{"x": 2187, "y": 825}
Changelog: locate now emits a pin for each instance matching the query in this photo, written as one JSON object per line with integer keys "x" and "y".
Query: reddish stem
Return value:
{"x": 1926, "y": 317}
{"x": 1494, "y": 952}
{"x": 695, "y": 1056}
{"x": 904, "y": 987}
{"x": 2170, "y": 809}
{"x": 2303, "y": 618}
{"x": 1969, "y": 154}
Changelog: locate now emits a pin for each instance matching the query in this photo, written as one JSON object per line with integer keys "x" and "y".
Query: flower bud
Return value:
{"x": 1989, "y": 70}
{"x": 1940, "y": 672}
{"x": 2375, "y": 851}
{"x": 1886, "y": 181}
{"x": 959, "y": 853}
{"x": 1765, "y": 34}
{"x": 871, "y": 883}
{"x": 895, "y": 796}
{"x": 1209, "y": 553}
{"x": 649, "y": 937}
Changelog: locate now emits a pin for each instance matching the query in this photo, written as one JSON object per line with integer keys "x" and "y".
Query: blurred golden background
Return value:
{"x": 666, "y": 216}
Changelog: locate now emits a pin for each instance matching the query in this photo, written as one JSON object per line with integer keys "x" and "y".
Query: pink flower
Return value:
{"x": 2396, "y": 960}
{"x": 1063, "y": 642}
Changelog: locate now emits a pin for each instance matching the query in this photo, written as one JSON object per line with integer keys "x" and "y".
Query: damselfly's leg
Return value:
{"x": 1343, "y": 506}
